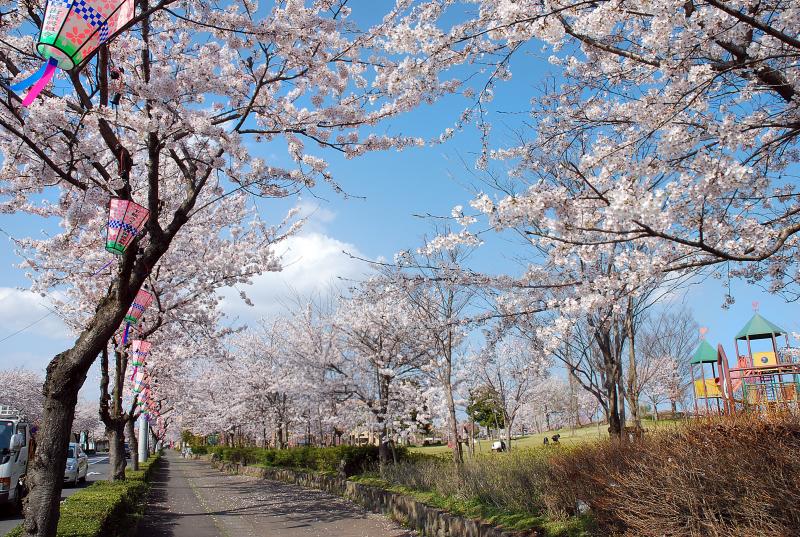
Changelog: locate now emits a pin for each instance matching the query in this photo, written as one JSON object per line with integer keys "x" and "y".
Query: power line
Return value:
{"x": 26, "y": 327}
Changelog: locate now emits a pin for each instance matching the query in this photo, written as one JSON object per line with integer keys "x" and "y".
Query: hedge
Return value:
{"x": 105, "y": 508}
{"x": 357, "y": 459}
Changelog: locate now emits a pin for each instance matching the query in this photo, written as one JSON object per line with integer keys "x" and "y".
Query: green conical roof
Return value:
{"x": 759, "y": 328}
{"x": 704, "y": 354}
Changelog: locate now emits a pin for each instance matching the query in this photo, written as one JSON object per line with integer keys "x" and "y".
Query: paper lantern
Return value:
{"x": 140, "y": 350}
{"x": 71, "y": 31}
{"x": 140, "y": 303}
{"x": 138, "y": 381}
{"x": 135, "y": 312}
{"x": 125, "y": 221}
{"x": 139, "y": 387}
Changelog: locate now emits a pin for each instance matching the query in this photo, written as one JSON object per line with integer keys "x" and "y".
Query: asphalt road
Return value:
{"x": 190, "y": 499}
{"x": 98, "y": 470}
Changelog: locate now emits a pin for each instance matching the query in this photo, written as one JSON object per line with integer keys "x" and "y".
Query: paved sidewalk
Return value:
{"x": 190, "y": 499}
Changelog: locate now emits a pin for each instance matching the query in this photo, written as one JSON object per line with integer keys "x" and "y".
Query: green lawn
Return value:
{"x": 568, "y": 437}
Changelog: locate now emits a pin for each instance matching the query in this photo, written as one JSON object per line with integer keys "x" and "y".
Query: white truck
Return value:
{"x": 16, "y": 448}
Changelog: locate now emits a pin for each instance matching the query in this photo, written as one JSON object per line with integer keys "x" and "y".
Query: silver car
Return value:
{"x": 77, "y": 465}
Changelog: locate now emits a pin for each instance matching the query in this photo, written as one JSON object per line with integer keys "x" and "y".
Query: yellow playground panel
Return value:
{"x": 711, "y": 388}
{"x": 765, "y": 359}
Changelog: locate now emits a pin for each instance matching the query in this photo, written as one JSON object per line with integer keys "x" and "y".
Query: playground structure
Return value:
{"x": 766, "y": 376}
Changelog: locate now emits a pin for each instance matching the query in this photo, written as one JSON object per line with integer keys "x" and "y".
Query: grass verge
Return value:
{"x": 105, "y": 508}
{"x": 515, "y": 521}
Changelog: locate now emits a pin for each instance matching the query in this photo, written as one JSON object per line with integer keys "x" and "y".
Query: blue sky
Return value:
{"x": 387, "y": 190}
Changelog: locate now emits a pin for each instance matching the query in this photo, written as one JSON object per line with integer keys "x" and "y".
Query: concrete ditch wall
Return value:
{"x": 428, "y": 521}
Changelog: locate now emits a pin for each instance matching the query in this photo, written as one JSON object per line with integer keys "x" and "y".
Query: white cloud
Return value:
{"x": 317, "y": 217}
{"x": 31, "y": 334}
{"x": 313, "y": 263}
{"x": 27, "y": 311}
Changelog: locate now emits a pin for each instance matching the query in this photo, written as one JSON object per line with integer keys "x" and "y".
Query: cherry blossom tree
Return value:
{"x": 431, "y": 280}
{"x": 512, "y": 368}
{"x": 668, "y": 126}
{"x": 557, "y": 403}
{"x": 22, "y": 391}
{"x": 669, "y": 338}
{"x": 665, "y": 144}
{"x": 382, "y": 349}
{"x": 273, "y": 388}
{"x": 87, "y": 419}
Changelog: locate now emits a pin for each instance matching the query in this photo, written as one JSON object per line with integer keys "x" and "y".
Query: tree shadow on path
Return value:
{"x": 172, "y": 507}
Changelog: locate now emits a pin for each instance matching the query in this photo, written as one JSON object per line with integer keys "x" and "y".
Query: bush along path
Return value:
{"x": 106, "y": 508}
{"x": 191, "y": 499}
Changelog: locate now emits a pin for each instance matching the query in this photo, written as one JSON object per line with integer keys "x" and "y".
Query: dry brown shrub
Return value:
{"x": 507, "y": 481}
{"x": 722, "y": 477}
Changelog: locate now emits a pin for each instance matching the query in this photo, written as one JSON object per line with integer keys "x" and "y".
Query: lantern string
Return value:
{"x": 98, "y": 271}
{"x": 37, "y": 88}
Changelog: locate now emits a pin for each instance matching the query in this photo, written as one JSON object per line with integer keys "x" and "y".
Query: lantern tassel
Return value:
{"x": 135, "y": 369}
{"x": 37, "y": 88}
{"x": 125, "y": 333}
{"x": 29, "y": 80}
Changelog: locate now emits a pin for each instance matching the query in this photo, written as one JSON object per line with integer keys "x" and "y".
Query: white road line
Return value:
{"x": 98, "y": 460}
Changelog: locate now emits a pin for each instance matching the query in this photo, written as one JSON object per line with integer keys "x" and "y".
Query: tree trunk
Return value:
{"x": 458, "y": 455}
{"x": 46, "y": 475}
{"x": 573, "y": 402}
{"x": 66, "y": 373}
{"x": 472, "y": 439}
{"x": 509, "y": 422}
{"x": 621, "y": 397}
{"x": 384, "y": 452}
{"x": 632, "y": 391}
{"x": 133, "y": 443}
{"x": 611, "y": 376}
{"x": 383, "y": 448}
{"x": 614, "y": 423}
{"x": 116, "y": 447}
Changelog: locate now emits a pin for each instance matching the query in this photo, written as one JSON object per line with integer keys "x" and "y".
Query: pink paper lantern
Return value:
{"x": 125, "y": 221}
{"x": 71, "y": 31}
{"x": 140, "y": 303}
{"x": 140, "y": 350}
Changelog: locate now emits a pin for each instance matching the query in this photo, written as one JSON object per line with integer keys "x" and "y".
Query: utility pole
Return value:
{"x": 143, "y": 430}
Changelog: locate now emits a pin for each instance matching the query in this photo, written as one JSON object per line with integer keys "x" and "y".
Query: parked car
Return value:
{"x": 77, "y": 465}
{"x": 16, "y": 449}
{"x": 127, "y": 451}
